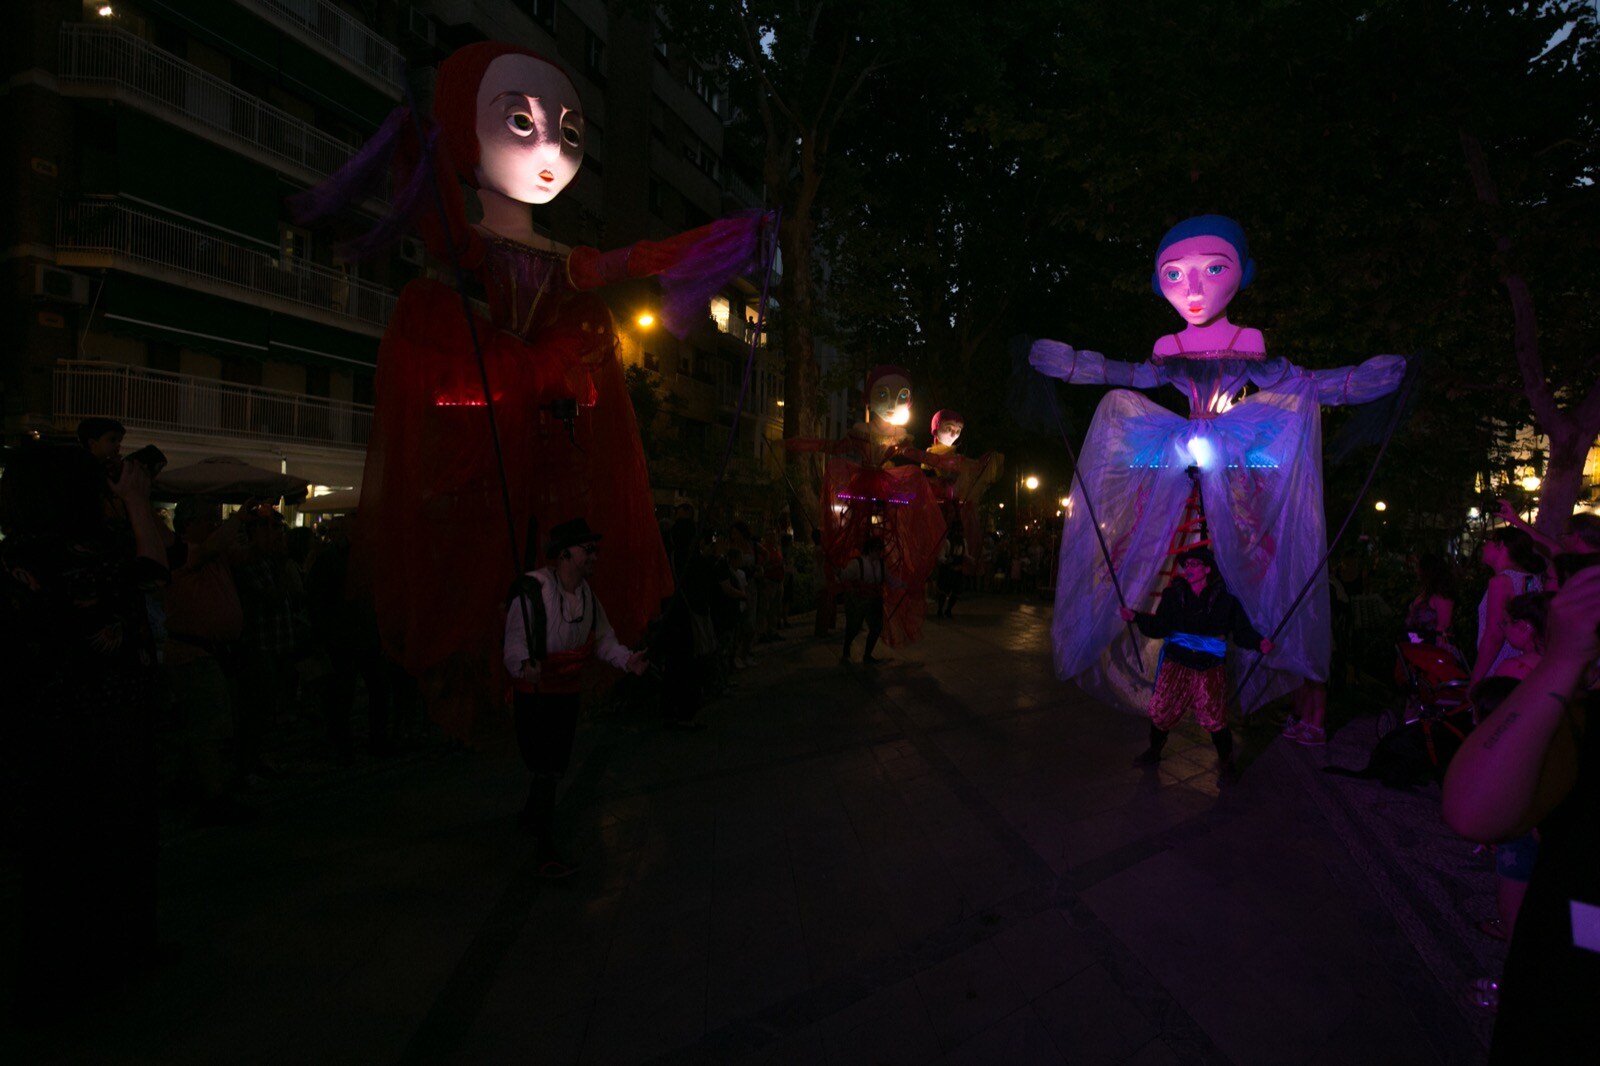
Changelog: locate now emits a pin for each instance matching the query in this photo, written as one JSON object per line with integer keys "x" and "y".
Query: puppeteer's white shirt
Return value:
{"x": 569, "y": 619}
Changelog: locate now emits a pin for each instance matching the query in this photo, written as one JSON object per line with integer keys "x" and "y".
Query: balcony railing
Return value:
{"x": 740, "y": 190}
{"x": 112, "y": 228}
{"x": 184, "y": 403}
{"x": 104, "y": 56}
{"x": 339, "y": 34}
{"x": 693, "y": 395}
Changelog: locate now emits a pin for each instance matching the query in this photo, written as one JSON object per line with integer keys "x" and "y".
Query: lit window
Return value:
{"x": 721, "y": 311}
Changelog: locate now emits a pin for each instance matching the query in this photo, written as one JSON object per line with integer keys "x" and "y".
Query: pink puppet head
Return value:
{"x": 947, "y": 426}
{"x": 510, "y": 120}
{"x": 1201, "y": 264}
{"x": 889, "y": 395}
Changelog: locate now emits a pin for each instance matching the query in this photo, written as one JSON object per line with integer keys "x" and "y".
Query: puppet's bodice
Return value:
{"x": 1212, "y": 381}
{"x": 527, "y": 289}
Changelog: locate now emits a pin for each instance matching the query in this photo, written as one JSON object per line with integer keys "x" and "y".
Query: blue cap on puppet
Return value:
{"x": 1219, "y": 226}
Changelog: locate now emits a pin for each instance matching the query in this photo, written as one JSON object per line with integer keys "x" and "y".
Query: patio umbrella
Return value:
{"x": 228, "y": 480}
{"x": 331, "y": 502}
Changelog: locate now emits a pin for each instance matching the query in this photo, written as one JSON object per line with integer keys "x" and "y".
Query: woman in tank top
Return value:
{"x": 1517, "y": 566}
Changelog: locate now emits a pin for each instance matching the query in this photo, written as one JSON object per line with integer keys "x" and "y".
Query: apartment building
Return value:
{"x": 159, "y": 279}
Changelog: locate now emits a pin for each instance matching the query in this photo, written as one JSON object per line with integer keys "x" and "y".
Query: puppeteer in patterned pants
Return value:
{"x": 1196, "y": 617}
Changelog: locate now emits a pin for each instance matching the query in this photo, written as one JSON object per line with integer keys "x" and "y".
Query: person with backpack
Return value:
{"x": 554, "y": 626}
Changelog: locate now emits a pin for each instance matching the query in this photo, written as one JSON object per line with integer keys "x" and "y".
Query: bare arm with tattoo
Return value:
{"x": 1522, "y": 760}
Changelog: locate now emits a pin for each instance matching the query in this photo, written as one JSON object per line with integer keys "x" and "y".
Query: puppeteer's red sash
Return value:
{"x": 561, "y": 671}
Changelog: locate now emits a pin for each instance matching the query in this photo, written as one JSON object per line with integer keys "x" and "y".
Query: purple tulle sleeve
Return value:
{"x": 688, "y": 285}
{"x": 362, "y": 177}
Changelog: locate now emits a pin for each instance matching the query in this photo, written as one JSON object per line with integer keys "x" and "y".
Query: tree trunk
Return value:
{"x": 797, "y": 301}
{"x": 1563, "y": 478}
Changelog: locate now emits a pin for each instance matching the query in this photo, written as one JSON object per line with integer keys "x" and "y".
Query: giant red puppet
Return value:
{"x": 871, "y": 486}
{"x": 508, "y": 124}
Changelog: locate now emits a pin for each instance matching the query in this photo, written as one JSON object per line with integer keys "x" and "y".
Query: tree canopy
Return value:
{"x": 1414, "y": 175}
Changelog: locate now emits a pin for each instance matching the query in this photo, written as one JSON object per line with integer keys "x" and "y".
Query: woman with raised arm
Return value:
{"x": 1534, "y": 763}
{"x": 1258, "y": 461}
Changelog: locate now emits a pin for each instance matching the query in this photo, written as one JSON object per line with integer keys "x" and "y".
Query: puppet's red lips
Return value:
{"x": 545, "y": 175}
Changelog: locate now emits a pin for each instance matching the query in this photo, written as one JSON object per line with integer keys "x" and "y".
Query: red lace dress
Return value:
{"x": 431, "y": 518}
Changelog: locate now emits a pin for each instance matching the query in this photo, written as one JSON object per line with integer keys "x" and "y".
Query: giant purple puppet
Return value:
{"x": 1259, "y": 460}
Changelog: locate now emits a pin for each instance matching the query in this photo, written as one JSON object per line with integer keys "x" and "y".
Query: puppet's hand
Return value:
{"x": 1127, "y": 614}
{"x": 1267, "y": 646}
{"x": 1053, "y": 358}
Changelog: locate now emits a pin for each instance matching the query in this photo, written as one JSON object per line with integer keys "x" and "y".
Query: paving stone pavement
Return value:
{"x": 947, "y": 858}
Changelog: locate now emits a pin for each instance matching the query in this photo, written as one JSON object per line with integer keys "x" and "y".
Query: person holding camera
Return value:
{"x": 79, "y": 737}
{"x": 554, "y": 626}
{"x": 1532, "y": 763}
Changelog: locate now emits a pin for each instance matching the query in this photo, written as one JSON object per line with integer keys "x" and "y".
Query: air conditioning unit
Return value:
{"x": 412, "y": 251}
{"x": 420, "y": 26}
{"x": 53, "y": 283}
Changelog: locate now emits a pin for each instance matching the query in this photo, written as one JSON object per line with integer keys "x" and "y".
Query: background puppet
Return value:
{"x": 959, "y": 482}
{"x": 865, "y": 494}
{"x": 1259, "y": 460}
{"x": 432, "y": 521}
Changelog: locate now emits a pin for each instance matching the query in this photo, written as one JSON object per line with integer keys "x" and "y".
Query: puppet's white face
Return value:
{"x": 1199, "y": 276}
{"x": 890, "y": 400}
{"x": 948, "y": 433}
{"x": 530, "y": 129}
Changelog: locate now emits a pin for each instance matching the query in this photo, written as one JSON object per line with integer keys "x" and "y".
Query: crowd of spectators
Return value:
{"x": 734, "y": 592}
{"x": 1525, "y": 778}
{"x": 142, "y": 647}
{"x": 160, "y": 663}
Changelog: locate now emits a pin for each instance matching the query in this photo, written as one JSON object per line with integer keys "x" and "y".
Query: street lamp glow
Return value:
{"x": 1530, "y": 483}
{"x": 1002, "y": 507}
{"x": 645, "y": 320}
{"x": 1030, "y": 482}
{"x": 104, "y": 11}
{"x": 1380, "y": 506}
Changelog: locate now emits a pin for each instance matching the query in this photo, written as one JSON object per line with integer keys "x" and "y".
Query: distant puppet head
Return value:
{"x": 889, "y": 395}
{"x": 947, "y": 426}
{"x": 1201, "y": 263}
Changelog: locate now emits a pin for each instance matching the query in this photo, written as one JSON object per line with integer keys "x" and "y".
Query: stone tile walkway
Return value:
{"x": 945, "y": 858}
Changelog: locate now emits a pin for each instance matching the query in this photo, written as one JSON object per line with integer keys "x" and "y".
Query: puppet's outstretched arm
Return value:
{"x": 1090, "y": 368}
{"x": 1362, "y": 383}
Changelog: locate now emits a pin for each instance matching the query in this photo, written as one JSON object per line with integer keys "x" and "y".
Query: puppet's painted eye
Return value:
{"x": 520, "y": 122}
{"x": 571, "y": 136}
{"x": 1174, "y": 274}
{"x": 1215, "y": 268}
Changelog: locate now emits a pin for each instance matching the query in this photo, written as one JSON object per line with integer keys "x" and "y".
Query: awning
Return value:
{"x": 295, "y": 340}
{"x": 138, "y": 307}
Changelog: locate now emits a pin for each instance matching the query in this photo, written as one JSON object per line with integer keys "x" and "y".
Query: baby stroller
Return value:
{"x": 1433, "y": 682}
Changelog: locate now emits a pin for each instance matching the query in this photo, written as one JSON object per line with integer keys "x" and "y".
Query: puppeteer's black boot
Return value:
{"x": 541, "y": 805}
{"x": 1222, "y": 740}
{"x": 1152, "y": 755}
